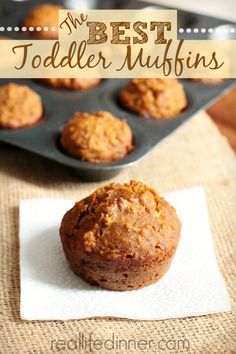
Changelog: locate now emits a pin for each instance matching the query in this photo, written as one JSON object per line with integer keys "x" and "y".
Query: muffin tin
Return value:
{"x": 59, "y": 105}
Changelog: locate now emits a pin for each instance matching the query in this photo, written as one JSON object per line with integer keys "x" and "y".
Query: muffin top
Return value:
{"x": 45, "y": 15}
{"x": 96, "y": 137}
{"x": 156, "y": 98}
{"x": 125, "y": 223}
{"x": 20, "y": 106}
{"x": 72, "y": 84}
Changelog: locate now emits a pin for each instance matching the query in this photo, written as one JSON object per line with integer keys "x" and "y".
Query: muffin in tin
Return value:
{"x": 43, "y": 15}
{"x": 20, "y": 106}
{"x": 97, "y": 137}
{"x": 71, "y": 84}
{"x": 209, "y": 81}
{"x": 155, "y": 98}
{"x": 121, "y": 237}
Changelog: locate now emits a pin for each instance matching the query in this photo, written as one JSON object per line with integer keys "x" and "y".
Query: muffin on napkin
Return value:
{"x": 121, "y": 237}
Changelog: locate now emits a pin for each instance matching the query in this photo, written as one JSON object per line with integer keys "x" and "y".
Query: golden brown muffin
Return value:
{"x": 207, "y": 81}
{"x": 45, "y": 15}
{"x": 71, "y": 84}
{"x": 20, "y": 106}
{"x": 121, "y": 237}
{"x": 155, "y": 98}
{"x": 97, "y": 137}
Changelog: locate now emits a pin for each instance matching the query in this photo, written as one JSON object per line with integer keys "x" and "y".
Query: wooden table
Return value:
{"x": 223, "y": 112}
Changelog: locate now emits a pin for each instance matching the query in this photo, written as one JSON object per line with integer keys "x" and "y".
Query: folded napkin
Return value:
{"x": 51, "y": 291}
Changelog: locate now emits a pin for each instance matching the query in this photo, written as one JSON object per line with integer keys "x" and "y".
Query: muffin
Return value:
{"x": 121, "y": 237}
{"x": 96, "y": 137}
{"x": 155, "y": 98}
{"x": 20, "y": 106}
{"x": 71, "y": 84}
{"x": 44, "y": 15}
{"x": 209, "y": 81}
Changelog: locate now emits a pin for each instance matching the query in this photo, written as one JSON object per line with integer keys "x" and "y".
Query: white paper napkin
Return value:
{"x": 51, "y": 291}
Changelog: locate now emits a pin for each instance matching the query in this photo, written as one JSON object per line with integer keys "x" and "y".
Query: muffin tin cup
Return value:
{"x": 60, "y": 104}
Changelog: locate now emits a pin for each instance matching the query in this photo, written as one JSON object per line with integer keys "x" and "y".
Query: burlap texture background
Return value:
{"x": 195, "y": 154}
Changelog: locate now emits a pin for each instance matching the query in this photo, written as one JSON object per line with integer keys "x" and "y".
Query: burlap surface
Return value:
{"x": 195, "y": 154}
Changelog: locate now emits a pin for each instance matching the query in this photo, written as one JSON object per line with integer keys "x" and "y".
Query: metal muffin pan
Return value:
{"x": 59, "y": 105}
